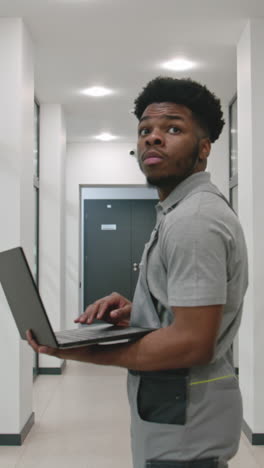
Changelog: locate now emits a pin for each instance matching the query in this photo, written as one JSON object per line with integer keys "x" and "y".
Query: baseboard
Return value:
{"x": 254, "y": 439}
{"x": 52, "y": 370}
{"x": 18, "y": 439}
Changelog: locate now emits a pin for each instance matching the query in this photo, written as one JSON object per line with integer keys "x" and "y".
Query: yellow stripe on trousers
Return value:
{"x": 212, "y": 380}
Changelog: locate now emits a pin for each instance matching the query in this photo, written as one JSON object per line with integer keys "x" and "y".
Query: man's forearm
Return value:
{"x": 188, "y": 341}
{"x": 161, "y": 349}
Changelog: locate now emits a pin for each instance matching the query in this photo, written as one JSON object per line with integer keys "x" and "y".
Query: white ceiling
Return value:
{"x": 120, "y": 44}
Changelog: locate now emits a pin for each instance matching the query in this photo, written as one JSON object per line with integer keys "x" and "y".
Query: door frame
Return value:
{"x": 97, "y": 192}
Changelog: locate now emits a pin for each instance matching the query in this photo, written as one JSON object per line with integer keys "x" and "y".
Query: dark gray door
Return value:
{"x": 143, "y": 218}
{"x": 115, "y": 232}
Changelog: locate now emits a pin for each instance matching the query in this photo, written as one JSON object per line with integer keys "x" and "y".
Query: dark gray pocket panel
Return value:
{"x": 163, "y": 398}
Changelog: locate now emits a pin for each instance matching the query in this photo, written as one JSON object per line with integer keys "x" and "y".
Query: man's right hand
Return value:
{"x": 114, "y": 309}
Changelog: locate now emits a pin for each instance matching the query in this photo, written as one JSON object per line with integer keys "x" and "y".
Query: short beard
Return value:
{"x": 174, "y": 180}
{"x": 165, "y": 181}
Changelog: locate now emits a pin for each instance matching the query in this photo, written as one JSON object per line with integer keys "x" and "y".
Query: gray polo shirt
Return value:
{"x": 199, "y": 257}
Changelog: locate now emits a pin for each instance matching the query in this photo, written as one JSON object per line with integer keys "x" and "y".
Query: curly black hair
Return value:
{"x": 205, "y": 106}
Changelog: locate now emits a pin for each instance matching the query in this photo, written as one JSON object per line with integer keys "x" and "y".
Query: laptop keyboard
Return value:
{"x": 96, "y": 332}
{"x": 77, "y": 334}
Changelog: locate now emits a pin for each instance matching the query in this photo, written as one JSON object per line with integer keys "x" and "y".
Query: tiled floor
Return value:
{"x": 82, "y": 421}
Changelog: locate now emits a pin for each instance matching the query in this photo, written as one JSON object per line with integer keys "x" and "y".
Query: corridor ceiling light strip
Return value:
{"x": 97, "y": 91}
{"x": 106, "y": 137}
{"x": 178, "y": 64}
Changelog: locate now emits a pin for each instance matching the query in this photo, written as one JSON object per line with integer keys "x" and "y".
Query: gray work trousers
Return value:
{"x": 193, "y": 435}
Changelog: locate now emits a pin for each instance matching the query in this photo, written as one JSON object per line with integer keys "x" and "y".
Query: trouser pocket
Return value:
{"x": 201, "y": 463}
{"x": 162, "y": 397}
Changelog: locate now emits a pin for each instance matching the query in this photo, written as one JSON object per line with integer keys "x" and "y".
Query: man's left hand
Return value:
{"x": 82, "y": 353}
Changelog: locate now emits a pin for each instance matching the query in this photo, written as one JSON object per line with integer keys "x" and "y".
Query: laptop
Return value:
{"x": 29, "y": 312}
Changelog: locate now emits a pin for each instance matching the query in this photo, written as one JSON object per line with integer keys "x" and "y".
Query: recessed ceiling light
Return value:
{"x": 179, "y": 64}
{"x": 106, "y": 137}
{"x": 97, "y": 91}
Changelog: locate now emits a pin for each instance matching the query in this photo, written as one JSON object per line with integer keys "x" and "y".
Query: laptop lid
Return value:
{"x": 23, "y": 297}
{"x": 29, "y": 312}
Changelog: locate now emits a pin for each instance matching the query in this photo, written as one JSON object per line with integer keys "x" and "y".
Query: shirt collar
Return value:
{"x": 183, "y": 189}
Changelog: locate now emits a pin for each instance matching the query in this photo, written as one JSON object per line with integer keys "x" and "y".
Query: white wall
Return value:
{"x": 16, "y": 207}
{"x": 51, "y": 231}
{"x": 218, "y": 161}
{"x": 250, "y": 195}
{"x": 109, "y": 164}
{"x": 27, "y": 201}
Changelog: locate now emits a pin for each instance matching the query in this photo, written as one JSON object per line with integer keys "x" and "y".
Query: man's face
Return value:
{"x": 169, "y": 146}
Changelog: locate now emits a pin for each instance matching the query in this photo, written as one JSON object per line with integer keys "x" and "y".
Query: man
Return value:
{"x": 184, "y": 397}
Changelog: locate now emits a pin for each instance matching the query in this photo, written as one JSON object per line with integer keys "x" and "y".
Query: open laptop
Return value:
{"x": 29, "y": 312}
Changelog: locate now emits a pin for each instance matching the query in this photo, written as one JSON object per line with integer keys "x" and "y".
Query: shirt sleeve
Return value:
{"x": 194, "y": 250}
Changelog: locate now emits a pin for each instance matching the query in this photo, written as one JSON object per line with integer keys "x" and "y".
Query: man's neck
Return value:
{"x": 165, "y": 190}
